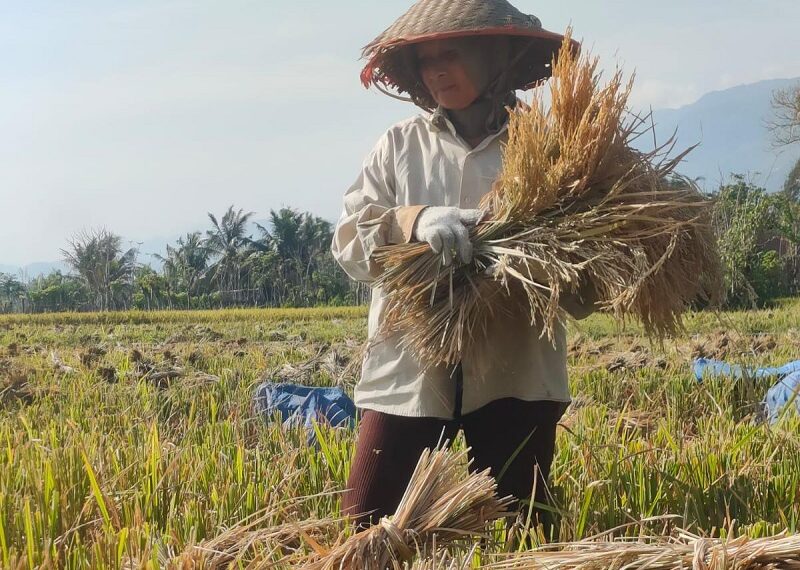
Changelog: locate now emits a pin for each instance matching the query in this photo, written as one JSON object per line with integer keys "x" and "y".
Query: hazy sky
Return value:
{"x": 144, "y": 115}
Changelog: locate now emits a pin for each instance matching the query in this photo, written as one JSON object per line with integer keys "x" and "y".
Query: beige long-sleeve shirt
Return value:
{"x": 421, "y": 162}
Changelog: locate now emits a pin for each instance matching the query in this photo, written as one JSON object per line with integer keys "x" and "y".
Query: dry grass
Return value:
{"x": 255, "y": 543}
{"x": 686, "y": 551}
{"x": 575, "y": 210}
{"x": 441, "y": 504}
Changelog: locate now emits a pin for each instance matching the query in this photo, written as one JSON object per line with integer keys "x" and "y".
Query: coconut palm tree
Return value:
{"x": 186, "y": 264}
{"x": 226, "y": 243}
{"x": 302, "y": 243}
{"x": 98, "y": 258}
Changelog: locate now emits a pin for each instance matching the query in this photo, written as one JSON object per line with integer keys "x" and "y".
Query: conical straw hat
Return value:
{"x": 390, "y": 63}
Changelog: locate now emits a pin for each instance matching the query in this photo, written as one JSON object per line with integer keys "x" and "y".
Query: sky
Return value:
{"x": 143, "y": 116}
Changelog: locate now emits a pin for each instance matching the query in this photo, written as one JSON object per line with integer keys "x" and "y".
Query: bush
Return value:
{"x": 758, "y": 242}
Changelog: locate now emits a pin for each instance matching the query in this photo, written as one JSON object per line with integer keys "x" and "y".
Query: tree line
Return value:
{"x": 287, "y": 264}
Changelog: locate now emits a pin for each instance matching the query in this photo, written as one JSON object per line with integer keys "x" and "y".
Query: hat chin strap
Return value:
{"x": 385, "y": 91}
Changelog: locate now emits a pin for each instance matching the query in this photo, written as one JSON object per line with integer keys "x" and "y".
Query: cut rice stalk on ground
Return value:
{"x": 687, "y": 551}
{"x": 442, "y": 504}
{"x": 256, "y": 543}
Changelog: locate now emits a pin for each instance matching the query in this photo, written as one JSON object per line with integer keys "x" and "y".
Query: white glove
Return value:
{"x": 446, "y": 229}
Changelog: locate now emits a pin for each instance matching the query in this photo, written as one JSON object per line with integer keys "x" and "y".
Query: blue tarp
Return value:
{"x": 303, "y": 405}
{"x": 704, "y": 366}
{"x": 786, "y": 389}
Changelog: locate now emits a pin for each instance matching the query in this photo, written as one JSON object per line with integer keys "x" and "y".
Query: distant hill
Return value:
{"x": 730, "y": 127}
{"x": 33, "y": 270}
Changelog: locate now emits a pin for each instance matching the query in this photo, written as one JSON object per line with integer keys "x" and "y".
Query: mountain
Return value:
{"x": 730, "y": 127}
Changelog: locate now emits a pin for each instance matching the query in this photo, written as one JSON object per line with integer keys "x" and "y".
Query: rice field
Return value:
{"x": 128, "y": 439}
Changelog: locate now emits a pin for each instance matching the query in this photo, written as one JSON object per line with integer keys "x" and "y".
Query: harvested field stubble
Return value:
{"x": 110, "y": 475}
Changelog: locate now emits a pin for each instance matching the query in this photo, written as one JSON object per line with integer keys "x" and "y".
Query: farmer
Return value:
{"x": 461, "y": 61}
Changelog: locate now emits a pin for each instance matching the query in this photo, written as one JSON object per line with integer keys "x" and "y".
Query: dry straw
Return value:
{"x": 256, "y": 544}
{"x": 442, "y": 504}
{"x": 575, "y": 209}
{"x": 687, "y": 551}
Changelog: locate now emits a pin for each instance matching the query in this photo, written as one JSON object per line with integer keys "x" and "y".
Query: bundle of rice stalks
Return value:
{"x": 575, "y": 206}
{"x": 685, "y": 551}
{"x": 442, "y": 504}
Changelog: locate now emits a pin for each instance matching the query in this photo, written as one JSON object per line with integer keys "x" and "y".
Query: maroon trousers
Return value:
{"x": 388, "y": 448}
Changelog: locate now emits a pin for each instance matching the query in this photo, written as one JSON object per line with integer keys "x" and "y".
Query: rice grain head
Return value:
{"x": 574, "y": 204}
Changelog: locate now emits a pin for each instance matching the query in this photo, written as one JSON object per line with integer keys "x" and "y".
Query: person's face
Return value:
{"x": 446, "y": 68}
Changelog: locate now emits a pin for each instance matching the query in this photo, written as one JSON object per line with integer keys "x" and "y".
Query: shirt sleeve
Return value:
{"x": 581, "y": 304}
{"x": 371, "y": 217}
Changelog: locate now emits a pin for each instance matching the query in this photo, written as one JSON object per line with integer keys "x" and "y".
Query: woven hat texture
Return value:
{"x": 390, "y": 62}
{"x": 432, "y": 17}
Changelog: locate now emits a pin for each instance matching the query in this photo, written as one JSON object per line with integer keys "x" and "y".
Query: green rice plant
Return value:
{"x": 180, "y": 463}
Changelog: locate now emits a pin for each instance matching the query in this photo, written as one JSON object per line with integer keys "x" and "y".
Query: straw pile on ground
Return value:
{"x": 686, "y": 551}
{"x": 574, "y": 205}
{"x": 442, "y": 511}
{"x": 440, "y": 505}
{"x": 255, "y": 543}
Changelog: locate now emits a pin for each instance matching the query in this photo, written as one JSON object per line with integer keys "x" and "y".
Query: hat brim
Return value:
{"x": 388, "y": 62}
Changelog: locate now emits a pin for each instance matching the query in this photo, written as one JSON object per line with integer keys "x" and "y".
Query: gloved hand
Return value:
{"x": 446, "y": 229}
